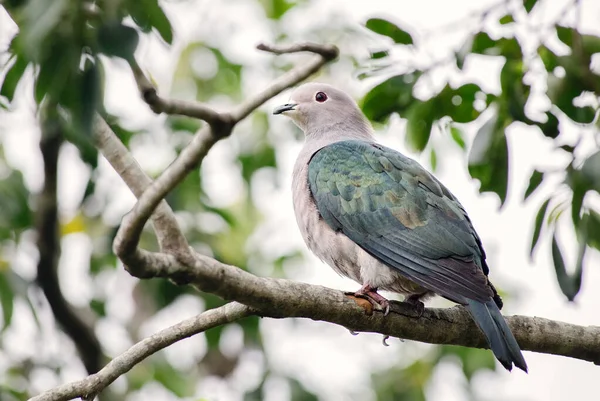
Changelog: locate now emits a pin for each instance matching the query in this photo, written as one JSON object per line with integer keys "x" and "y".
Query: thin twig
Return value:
{"x": 170, "y": 106}
{"x": 90, "y": 386}
{"x": 328, "y": 52}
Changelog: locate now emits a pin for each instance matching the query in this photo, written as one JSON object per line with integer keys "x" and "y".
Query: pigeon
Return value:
{"x": 382, "y": 220}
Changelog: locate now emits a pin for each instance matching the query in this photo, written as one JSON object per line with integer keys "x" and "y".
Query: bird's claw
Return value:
{"x": 377, "y": 301}
{"x": 384, "y": 341}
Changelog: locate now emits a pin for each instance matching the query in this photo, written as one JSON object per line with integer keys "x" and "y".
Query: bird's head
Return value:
{"x": 314, "y": 107}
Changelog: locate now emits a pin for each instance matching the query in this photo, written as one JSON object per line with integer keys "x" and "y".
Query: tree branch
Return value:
{"x": 326, "y": 53}
{"x": 93, "y": 384}
{"x": 169, "y": 106}
{"x": 129, "y": 233}
{"x": 48, "y": 244}
{"x": 279, "y": 298}
{"x": 167, "y": 229}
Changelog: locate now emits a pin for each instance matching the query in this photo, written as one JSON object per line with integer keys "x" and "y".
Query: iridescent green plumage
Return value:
{"x": 400, "y": 214}
{"x": 395, "y": 210}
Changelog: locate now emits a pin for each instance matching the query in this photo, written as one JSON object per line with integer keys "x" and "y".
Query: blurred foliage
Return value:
{"x": 62, "y": 47}
{"x": 570, "y": 80}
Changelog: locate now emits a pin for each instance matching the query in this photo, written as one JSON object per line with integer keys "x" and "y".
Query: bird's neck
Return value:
{"x": 326, "y": 135}
{"x": 357, "y": 129}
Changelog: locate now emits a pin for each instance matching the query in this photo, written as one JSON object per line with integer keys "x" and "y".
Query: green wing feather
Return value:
{"x": 399, "y": 213}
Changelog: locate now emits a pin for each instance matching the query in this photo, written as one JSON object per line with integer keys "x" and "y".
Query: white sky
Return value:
{"x": 327, "y": 358}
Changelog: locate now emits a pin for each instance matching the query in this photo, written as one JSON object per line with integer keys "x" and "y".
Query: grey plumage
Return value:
{"x": 379, "y": 218}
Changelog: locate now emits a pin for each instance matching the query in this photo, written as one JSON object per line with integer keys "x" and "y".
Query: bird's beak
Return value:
{"x": 284, "y": 108}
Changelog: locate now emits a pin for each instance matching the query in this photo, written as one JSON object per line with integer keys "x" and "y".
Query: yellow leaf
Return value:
{"x": 75, "y": 225}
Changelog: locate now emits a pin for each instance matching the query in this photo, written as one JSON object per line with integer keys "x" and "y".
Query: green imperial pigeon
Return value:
{"x": 381, "y": 219}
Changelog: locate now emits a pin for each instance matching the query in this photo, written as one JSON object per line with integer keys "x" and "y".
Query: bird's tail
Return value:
{"x": 501, "y": 340}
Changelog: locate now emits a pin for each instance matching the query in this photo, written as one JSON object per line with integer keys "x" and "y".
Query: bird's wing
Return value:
{"x": 400, "y": 214}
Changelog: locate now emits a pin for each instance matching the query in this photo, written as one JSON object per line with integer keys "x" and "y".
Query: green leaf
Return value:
{"x": 15, "y": 214}
{"x": 376, "y": 55}
{"x": 534, "y": 181}
{"x": 386, "y": 28}
{"x": 590, "y": 172}
{"x": 6, "y": 299}
{"x": 577, "y": 202}
{"x": 81, "y": 139}
{"x": 458, "y": 103}
{"x": 12, "y": 77}
{"x": 514, "y": 92}
{"x": 433, "y": 159}
{"x": 539, "y": 219}
{"x": 457, "y": 136}
{"x": 590, "y": 44}
{"x": 591, "y": 221}
{"x": 529, "y": 4}
{"x": 98, "y": 306}
{"x": 115, "y": 39}
{"x": 40, "y": 25}
{"x": 562, "y": 92}
{"x": 488, "y": 159}
{"x": 275, "y": 9}
{"x": 548, "y": 57}
{"x": 392, "y": 95}
{"x": 56, "y": 72}
{"x": 510, "y": 48}
{"x": 123, "y": 134}
{"x": 90, "y": 97}
{"x": 148, "y": 14}
{"x": 482, "y": 43}
{"x": 507, "y": 19}
{"x": 420, "y": 117}
{"x": 550, "y": 127}
{"x": 569, "y": 284}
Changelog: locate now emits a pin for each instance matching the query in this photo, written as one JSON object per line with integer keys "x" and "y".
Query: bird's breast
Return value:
{"x": 335, "y": 248}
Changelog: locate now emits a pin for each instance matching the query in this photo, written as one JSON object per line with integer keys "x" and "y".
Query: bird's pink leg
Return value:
{"x": 378, "y": 301}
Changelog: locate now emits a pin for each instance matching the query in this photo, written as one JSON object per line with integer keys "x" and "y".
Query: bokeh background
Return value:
{"x": 507, "y": 123}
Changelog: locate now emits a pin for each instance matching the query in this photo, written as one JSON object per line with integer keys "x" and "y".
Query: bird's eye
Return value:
{"x": 320, "y": 97}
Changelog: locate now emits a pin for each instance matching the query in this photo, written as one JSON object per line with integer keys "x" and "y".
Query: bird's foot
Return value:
{"x": 378, "y": 301}
{"x": 415, "y": 302}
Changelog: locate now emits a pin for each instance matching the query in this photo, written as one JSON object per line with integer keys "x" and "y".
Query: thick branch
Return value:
{"x": 93, "y": 384}
{"x": 48, "y": 243}
{"x": 280, "y": 298}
